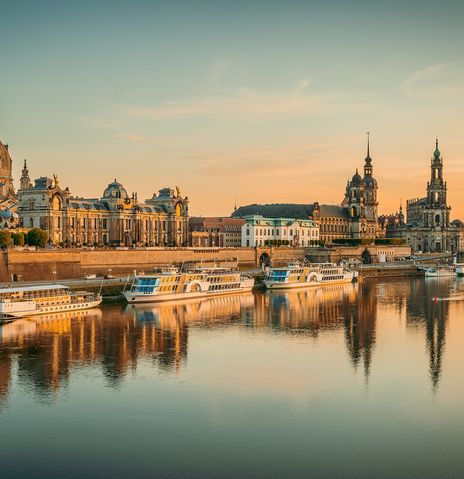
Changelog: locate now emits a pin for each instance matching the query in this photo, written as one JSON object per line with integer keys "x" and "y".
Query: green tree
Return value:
{"x": 37, "y": 237}
{"x": 18, "y": 239}
{"x": 5, "y": 238}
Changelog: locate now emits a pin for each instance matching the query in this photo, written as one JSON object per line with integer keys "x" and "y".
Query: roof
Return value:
{"x": 333, "y": 211}
{"x": 200, "y": 223}
{"x": 277, "y": 210}
{"x": 260, "y": 220}
{"x": 420, "y": 201}
{"x": 290, "y": 210}
{"x": 84, "y": 204}
{"x": 42, "y": 287}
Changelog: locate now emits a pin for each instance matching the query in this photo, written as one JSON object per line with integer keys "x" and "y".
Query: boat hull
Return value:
{"x": 306, "y": 284}
{"x": 158, "y": 298}
{"x": 62, "y": 308}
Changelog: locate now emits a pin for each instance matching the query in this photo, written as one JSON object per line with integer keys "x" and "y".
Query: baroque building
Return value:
{"x": 355, "y": 217}
{"x": 115, "y": 219}
{"x": 428, "y": 227}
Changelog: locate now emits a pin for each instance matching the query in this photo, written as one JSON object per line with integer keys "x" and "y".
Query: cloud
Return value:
{"x": 440, "y": 81}
{"x": 132, "y": 138}
{"x": 243, "y": 104}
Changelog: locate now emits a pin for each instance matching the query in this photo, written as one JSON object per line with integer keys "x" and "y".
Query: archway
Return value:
{"x": 366, "y": 257}
{"x": 265, "y": 260}
{"x": 127, "y": 240}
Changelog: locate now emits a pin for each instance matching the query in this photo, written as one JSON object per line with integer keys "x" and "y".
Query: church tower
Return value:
{"x": 25, "y": 181}
{"x": 437, "y": 212}
{"x": 370, "y": 188}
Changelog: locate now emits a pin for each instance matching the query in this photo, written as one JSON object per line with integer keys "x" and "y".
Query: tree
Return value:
{"x": 5, "y": 238}
{"x": 37, "y": 237}
{"x": 18, "y": 239}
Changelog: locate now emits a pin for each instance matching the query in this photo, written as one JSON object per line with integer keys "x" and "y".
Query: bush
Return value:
{"x": 37, "y": 237}
{"x": 5, "y": 238}
{"x": 18, "y": 239}
{"x": 276, "y": 242}
{"x": 353, "y": 241}
{"x": 390, "y": 241}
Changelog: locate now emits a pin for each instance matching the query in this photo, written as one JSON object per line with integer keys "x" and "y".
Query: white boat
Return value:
{"x": 172, "y": 285}
{"x": 297, "y": 275}
{"x": 44, "y": 299}
{"x": 459, "y": 269}
{"x": 439, "y": 272}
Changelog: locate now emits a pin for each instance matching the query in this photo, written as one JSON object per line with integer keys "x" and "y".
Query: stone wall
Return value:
{"x": 356, "y": 252}
{"x": 75, "y": 263}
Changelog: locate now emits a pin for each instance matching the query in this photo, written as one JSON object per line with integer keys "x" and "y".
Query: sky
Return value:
{"x": 234, "y": 102}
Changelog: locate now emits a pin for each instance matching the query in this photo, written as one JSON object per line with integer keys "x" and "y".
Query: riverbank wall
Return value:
{"x": 16, "y": 265}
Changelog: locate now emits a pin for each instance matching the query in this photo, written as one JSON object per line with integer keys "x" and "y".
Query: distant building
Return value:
{"x": 115, "y": 219}
{"x": 260, "y": 231}
{"x": 428, "y": 227}
{"x": 215, "y": 232}
{"x": 355, "y": 217}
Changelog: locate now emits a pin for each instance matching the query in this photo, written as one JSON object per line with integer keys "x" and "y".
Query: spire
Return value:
{"x": 436, "y": 153}
{"x": 25, "y": 181}
{"x": 368, "y": 159}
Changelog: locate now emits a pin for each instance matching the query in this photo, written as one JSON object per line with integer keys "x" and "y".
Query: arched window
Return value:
{"x": 437, "y": 219}
{"x": 56, "y": 203}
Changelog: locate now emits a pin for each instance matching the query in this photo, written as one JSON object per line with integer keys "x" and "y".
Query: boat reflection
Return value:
{"x": 43, "y": 352}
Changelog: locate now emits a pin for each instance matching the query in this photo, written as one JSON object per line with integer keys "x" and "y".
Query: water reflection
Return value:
{"x": 360, "y": 321}
{"x": 428, "y": 307}
{"x": 43, "y": 352}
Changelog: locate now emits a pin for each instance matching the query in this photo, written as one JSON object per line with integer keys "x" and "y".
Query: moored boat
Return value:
{"x": 439, "y": 272}
{"x": 23, "y": 301}
{"x": 196, "y": 283}
{"x": 459, "y": 269}
{"x": 297, "y": 275}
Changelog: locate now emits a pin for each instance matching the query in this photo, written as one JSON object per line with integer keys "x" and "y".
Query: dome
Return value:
{"x": 356, "y": 180}
{"x": 5, "y": 214}
{"x": 115, "y": 190}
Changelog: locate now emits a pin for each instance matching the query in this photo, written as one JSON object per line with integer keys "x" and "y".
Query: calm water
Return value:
{"x": 350, "y": 381}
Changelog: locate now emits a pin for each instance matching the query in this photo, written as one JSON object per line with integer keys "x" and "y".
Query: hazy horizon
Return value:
{"x": 244, "y": 102}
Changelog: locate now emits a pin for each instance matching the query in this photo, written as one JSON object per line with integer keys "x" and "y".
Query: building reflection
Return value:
{"x": 44, "y": 351}
{"x": 424, "y": 311}
{"x": 360, "y": 324}
{"x": 48, "y": 348}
